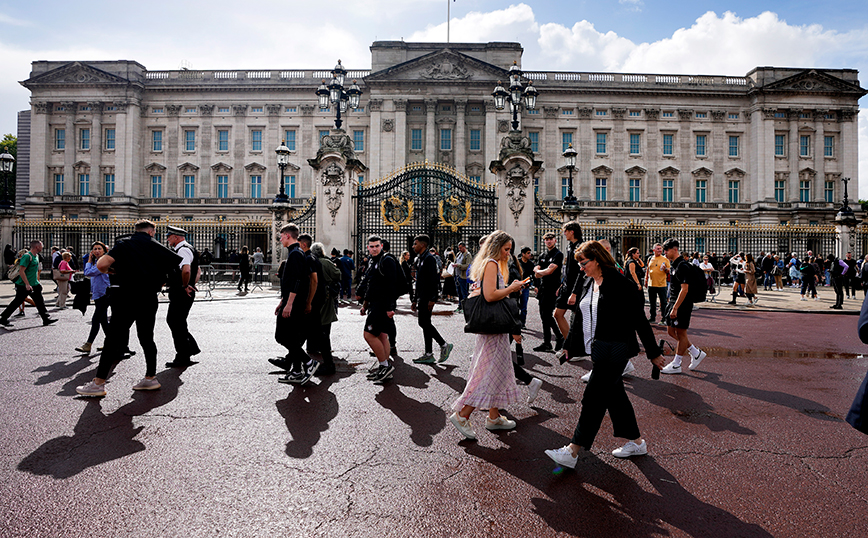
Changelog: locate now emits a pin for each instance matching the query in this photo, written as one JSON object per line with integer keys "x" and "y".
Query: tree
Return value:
{"x": 11, "y": 144}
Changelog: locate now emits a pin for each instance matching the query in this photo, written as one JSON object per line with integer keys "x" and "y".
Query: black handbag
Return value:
{"x": 499, "y": 317}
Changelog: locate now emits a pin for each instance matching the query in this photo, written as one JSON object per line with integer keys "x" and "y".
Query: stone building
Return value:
{"x": 111, "y": 138}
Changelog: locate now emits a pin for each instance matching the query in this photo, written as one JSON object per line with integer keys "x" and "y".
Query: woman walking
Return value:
{"x": 244, "y": 266}
{"x": 66, "y": 272}
{"x": 99, "y": 283}
{"x": 491, "y": 381}
{"x": 750, "y": 285}
{"x": 634, "y": 269}
{"x": 608, "y": 318}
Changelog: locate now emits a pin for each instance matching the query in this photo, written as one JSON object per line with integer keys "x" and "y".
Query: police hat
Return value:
{"x": 174, "y": 230}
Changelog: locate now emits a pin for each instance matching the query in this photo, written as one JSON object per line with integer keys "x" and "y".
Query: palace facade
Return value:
{"x": 113, "y": 139}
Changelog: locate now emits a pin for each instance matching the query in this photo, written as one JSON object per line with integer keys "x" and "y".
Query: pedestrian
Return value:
{"x": 837, "y": 270}
{"x": 566, "y": 298}
{"x": 548, "y": 273}
{"x": 315, "y": 298}
{"x": 778, "y": 272}
{"x": 521, "y": 375}
{"x": 427, "y": 278}
{"x": 9, "y": 255}
{"x": 750, "y": 284}
{"x": 851, "y": 277}
{"x": 99, "y": 283}
{"x": 462, "y": 262}
{"x": 634, "y": 269}
{"x": 609, "y": 317}
{"x": 491, "y": 380}
{"x": 27, "y": 284}
{"x": 328, "y": 313}
{"x": 863, "y": 276}
{"x": 679, "y": 311}
{"x": 290, "y": 327}
{"x": 347, "y": 274}
{"x": 182, "y": 293}
{"x": 379, "y": 305}
{"x": 66, "y": 271}
{"x": 737, "y": 263}
{"x": 655, "y": 281}
{"x": 525, "y": 261}
{"x": 140, "y": 266}
{"x": 244, "y": 268}
{"x": 708, "y": 269}
{"x": 258, "y": 263}
{"x": 809, "y": 279}
{"x": 407, "y": 270}
{"x": 793, "y": 270}
{"x": 450, "y": 288}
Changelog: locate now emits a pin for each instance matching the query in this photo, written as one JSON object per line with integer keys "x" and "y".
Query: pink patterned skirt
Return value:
{"x": 491, "y": 382}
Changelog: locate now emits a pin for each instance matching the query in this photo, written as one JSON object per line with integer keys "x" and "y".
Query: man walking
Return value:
{"x": 27, "y": 283}
{"x": 290, "y": 328}
{"x": 182, "y": 293}
{"x": 548, "y": 271}
{"x": 140, "y": 266}
{"x": 379, "y": 305}
{"x": 427, "y": 279}
{"x": 566, "y": 297}
{"x": 347, "y": 274}
{"x": 462, "y": 262}
{"x": 525, "y": 260}
{"x": 655, "y": 281}
{"x": 679, "y": 310}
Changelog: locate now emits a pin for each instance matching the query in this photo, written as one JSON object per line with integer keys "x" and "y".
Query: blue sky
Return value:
{"x": 602, "y": 35}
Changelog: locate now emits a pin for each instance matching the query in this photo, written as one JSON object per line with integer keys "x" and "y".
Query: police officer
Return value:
{"x": 140, "y": 266}
{"x": 182, "y": 293}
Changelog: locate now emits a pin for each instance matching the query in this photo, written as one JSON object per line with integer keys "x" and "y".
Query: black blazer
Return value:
{"x": 620, "y": 316}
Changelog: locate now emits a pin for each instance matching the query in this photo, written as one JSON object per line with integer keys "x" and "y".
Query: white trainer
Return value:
{"x": 629, "y": 369}
{"x": 585, "y": 378}
{"x": 533, "y": 389}
{"x": 463, "y": 425}
{"x": 694, "y": 361}
{"x": 671, "y": 368}
{"x": 631, "y": 449}
{"x": 563, "y": 457}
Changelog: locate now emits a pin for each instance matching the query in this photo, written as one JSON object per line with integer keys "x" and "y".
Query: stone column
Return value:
{"x": 430, "y": 131}
{"x": 793, "y": 155}
{"x": 375, "y": 107}
{"x": 173, "y": 148}
{"x": 41, "y": 146}
{"x": 718, "y": 188}
{"x": 336, "y": 172}
{"x": 653, "y": 141}
{"x": 96, "y": 147}
{"x": 72, "y": 143}
{"x": 272, "y": 138}
{"x": 400, "y": 153}
{"x": 7, "y": 226}
{"x": 491, "y": 148}
{"x": 551, "y": 151}
{"x": 617, "y": 187}
{"x": 515, "y": 170}
{"x": 583, "y": 181}
{"x": 460, "y": 147}
{"x": 308, "y": 144}
{"x": 684, "y": 191}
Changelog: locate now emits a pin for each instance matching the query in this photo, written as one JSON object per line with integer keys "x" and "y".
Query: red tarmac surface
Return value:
{"x": 752, "y": 444}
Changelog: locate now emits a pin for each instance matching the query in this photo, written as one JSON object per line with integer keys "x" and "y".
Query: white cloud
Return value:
{"x": 632, "y": 5}
{"x": 515, "y": 23}
{"x": 6, "y": 19}
{"x": 582, "y": 47}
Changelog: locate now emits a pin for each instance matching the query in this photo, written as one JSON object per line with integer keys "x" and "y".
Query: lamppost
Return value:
{"x": 7, "y": 162}
{"x": 282, "y": 160}
{"x": 515, "y": 94}
{"x": 570, "y": 201}
{"x": 343, "y": 98}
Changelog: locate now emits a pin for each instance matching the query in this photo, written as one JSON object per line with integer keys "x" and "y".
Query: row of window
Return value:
{"x": 804, "y": 145}
{"x": 701, "y": 188}
{"x": 220, "y": 110}
{"x": 84, "y": 139}
{"x": 416, "y": 139}
{"x": 84, "y": 184}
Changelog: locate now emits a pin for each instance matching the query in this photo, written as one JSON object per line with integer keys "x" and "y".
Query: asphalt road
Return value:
{"x": 754, "y": 444}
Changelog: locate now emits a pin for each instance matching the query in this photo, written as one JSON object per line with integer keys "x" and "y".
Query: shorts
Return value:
{"x": 563, "y": 299}
{"x": 682, "y": 319}
{"x": 739, "y": 278}
{"x": 378, "y": 322}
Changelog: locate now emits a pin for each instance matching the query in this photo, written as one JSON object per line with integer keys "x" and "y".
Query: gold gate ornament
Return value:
{"x": 396, "y": 211}
{"x": 452, "y": 214}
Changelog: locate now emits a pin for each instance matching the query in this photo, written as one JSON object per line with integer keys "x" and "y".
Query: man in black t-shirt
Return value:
{"x": 548, "y": 272}
{"x": 851, "y": 279}
{"x": 572, "y": 272}
{"x": 525, "y": 260}
{"x": 679, "y": 309}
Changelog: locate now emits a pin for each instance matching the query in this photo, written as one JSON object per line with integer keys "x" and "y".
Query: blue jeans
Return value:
{"x": 522, "y": 305}
{"x": 769, "y": 280}
{"x": 461, "y": 288}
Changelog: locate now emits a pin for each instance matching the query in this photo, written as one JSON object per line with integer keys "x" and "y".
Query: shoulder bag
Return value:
{"x": 498, "y": 317}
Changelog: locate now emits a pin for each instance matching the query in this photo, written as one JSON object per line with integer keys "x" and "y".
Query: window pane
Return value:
{"x": 476, "y": 139}
{"x": 733, "y": 146}
{"x": 256, "y": 186}
{"x": 189, "y": 140}
{"x": 634, "y": 144}
{"x": 222, "y": 186}
{"x": 700, "y": 145}
{"x": 256, "y": 140}
{"x": 289, "y": 186}
{"x": 85, "y": 139}
{"x": 667, "y": 190}
{"x": 601, "y": 143}
{"x": 222, "y": 140}
{"x": 601, "y": 189}
{"x": 60, "y": 139}
{"x": 566, "y": 140}
{"x": 290, "y": 140}
{"x": 446, "y": 139}
{"x": 359, "y": 140}
{"x": 156, "y": 186}
{"x": 109, "y": 139}
{"x": 157, "y": 137}
{"x": 667, "y": 144}
{"x": 416, "y": 139}
{"x": 805, "y": 146}
{"x": 733, "y": 192}
{"x": 109, "y": 184}
{"x": 780, "y": 145}
{"x": 534, "y": 141}
{"x": 829, "y": 146}
{"x": 189, "y": 186}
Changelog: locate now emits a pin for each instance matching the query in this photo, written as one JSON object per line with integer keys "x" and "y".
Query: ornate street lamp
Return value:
{"x": 570, "y": 157}
{"x": 282, "y": 160}
{"x": 516, "y": 96}
{"x": 7, "y": 162}
{"x": 342, "y": 98}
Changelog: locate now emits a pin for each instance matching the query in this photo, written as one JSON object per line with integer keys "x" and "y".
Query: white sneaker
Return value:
{"x": 563, "y": 457}
{"x": 559, "y": 355}
{"x": 500, "y": 423}
{"x": 91, "y": 390}
{"x": 147, "y": 384}
{"x": 629, "y": 369}
{"x": 694, "y": 361}
{"x": 803, "y": 299}
{"x": 585, "y": 378}
{"x": 533, "y": 389}
{"x": 463, "y": 425}
{"x": 631, "y": 449}
{"x": 671, "y": 368}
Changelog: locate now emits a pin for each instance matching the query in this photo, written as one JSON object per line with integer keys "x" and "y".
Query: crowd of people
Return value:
{"x": 590, "y": 305}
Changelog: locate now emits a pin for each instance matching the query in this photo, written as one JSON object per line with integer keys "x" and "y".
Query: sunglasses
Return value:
{"x": 583, "y": 263}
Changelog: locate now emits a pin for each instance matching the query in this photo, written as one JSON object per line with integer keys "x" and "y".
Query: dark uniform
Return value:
{"x": 380, "y": 294}
{"x": 314, "y": 325}
{"x": 141, "y": 266}
{"x": 427, "y": 282}
{"x": 290, "y": 332}
{"x": 547, "y": 293}
{"x": 571, "y": 276}
{"x": 680, "y": 274}
{"x": 180, "y": 303}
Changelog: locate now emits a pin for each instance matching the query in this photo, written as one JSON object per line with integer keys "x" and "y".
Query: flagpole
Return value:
{"x": 448, "y": 17}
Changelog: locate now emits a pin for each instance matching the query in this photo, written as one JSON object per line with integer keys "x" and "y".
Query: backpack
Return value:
{"x": 12, "y": 271}
{"x": 697, "y": 284}
{"x": 402, "y": 287}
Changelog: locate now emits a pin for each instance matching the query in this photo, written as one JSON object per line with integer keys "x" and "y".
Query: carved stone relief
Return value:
{"x": 652, "y": 114}
{"x": 42, "y": 108}
{"x": 735, "y": 173}
{"x": 273, "y": 110}
{"x": 173, "y": 110}
{"x": 206, "y": 110}
{"x": 585, "y": 112}
{"x": 503, "y": 126}
{"x": 702, "y": 173}
{"x": 685, "y": 115}
{"x": 388, "y": 125}
{"x": 446, "y": 70}
{"x": 619, "y": 113}
{"x": 307, "y": 109}
{"x": 515, "y": 182}
{"x": 333, "y": 178}
{"x": 718, "y": 115}
{"x": 375, "y": 105}
{"x": 550, "y": 112}
{"x": 240, "y": 110}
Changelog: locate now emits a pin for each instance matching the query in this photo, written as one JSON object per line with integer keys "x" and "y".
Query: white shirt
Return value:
{"x": 186, "y": 254}
{"x": 706, "y": 266}
{"x": 588, "y": 306}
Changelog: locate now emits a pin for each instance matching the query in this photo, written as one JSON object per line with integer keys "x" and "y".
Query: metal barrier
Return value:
{"x": 227, "y": 275}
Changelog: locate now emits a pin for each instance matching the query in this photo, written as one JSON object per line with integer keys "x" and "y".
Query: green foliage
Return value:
{"x": 11, "y": 144}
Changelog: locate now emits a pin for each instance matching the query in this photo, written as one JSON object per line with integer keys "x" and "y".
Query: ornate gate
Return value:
{"x": 433, "y": 199}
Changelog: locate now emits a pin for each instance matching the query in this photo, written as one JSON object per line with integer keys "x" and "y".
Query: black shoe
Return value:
{"x": 48, "y": 321}
{"x": 393, "y": 352}
{"x": 181, "y": 363}
{"x": 326, "y": 368}
{"x": 281, "y": 363}
{"x": 311, "y": 368}
{"x": 5, "y": 322}
{"x": 294, "y": 378}
{"x": 731, "y": 302}
{"x": 544, "y": 347}
{"x": 382, "y": 373}
{"x": 559, "y": 344}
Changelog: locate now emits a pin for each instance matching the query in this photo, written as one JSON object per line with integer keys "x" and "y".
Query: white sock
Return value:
{"x": 384, "y": 363}
{"x": 676, "y": 361}
{"x": 693, "y": 350}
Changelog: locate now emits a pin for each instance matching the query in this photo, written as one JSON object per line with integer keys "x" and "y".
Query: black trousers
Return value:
{"x": 291, "y": 333}
{"x": 547, "y": 303}
{"x": 100, "y": 318}
{"x": 605, "y": 392}
{"x": 179, "y": 308}
{"x": 850, "y": 285}
{"x": 838, "y": 283}
{"x": 429, "y": 333}
{"x": 20, "y": 294}
{"x": 129, "y": 308}
{"x": 655, "y": 293}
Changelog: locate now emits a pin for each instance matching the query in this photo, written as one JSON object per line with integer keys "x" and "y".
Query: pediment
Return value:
{"x": 669, "y": 171}
{"x": 445, "y": 65}
{"x": 735, "y": 172}
{"x": 155, "y": 167}
{"x": 813, "y": 81}
{"x": 75, "y": 73}
{"x": 188, "y": 166}
{"x": 254, "y": 166}
{"x": 81, "y": 165}
{"x": 635, "y": 171}
{"x": 702, "y": 172}
{"x": 221, "y": 166}
{"x": 602, "y": 170}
